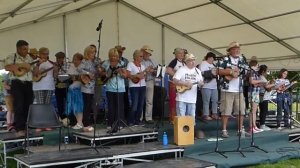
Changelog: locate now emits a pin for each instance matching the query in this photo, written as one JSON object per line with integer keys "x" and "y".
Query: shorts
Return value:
{"x": 255, "y": 97}
{"x": 232, "y": 102}
{"x": 9, "y": 103}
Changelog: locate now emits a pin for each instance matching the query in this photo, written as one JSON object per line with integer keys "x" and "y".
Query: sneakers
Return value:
{"x": 225, "y": 134}
{"x": 77, "y": 126}
{"x": 65, "y": 122}
{"x": 149, "y": 121}
{"x": 255, "y": 130}
{"x": 88, "y": 129}
{"x": 265, "y": 128}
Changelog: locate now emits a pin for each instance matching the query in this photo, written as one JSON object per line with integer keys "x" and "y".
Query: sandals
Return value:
{"x": 215, "y": 117}
{"x": 11, "y": 128}
{"x": 207, "y": 118}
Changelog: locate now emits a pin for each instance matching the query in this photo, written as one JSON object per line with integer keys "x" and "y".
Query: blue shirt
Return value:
{"x": 116, "y": 83}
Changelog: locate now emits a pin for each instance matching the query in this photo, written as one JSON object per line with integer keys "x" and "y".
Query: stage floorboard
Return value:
{"x": 88, "y": 154}
{"x": 126, "y": 132}
{"x": 171, "y": 163}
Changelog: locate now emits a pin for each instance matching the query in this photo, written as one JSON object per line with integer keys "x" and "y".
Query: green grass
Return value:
{"x": 292, "y": 163}
{"x": 273, "y": 107}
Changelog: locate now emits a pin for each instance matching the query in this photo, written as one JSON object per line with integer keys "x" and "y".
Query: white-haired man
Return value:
{"x": 188, "y": 77}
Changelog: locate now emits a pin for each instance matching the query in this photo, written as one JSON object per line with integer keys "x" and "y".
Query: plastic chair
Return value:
{"x": 42, "y": 116}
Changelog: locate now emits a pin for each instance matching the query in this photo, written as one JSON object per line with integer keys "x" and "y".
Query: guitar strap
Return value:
{"x": 15, "y": 57}
{"x": 197, "y": 71}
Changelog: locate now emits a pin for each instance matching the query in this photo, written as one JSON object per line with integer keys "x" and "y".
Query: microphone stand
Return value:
{"x": 252, "y": 144}
{"x": 218, "y": 111}
{"x": 116, "y": 125}
{"x": 239, "y": 149}
{"x": 162, "y": 105}
{"x": 99, "y": 28}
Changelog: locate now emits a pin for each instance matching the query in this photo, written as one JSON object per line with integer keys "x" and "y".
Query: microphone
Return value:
{"x": 219, "y": 58}
{"x": 99, "y": 25}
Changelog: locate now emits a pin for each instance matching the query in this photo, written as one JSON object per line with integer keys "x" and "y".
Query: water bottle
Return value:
{"x": 66, "y": 140}
{"x": 165, "y": 139}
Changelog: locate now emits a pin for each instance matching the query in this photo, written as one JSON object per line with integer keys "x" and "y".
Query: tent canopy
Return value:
{"x": 267, "y": 29}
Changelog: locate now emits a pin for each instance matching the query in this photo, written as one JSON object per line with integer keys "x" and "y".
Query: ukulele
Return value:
{"x": 233, "y": 73}
{"x": 85, "y": 77}
{"x": 41, "y": 75}
{"x": 182, "y": 88}
{"x": 136, "y": 78}
{"x": 23, "y": 68}
{"x": 283, "y": 88}
{"x": 111, "y": 72}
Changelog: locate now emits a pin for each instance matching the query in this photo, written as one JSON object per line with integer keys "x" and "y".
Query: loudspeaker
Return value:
{"x": 184, "y": 130}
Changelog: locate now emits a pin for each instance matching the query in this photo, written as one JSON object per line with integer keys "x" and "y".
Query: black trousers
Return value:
{"x": 87, "y": 108}
{"x": 61, "y": 96}
{"x": 23, "y": 97}
{"x": 126, "y": 102}
{"x": 263, "y": 111}
{"x": 115, "y": 102}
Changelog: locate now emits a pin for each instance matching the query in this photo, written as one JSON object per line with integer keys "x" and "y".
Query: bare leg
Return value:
{"x": 225, "y": 121}
{"x": 79, "y": 118}
{"x": 241, "y": 122}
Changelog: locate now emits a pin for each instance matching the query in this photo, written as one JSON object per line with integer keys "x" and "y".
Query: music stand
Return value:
{"x": 161, "y": 74}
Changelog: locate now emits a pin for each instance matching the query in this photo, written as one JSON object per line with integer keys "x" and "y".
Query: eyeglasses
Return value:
{"x": 45, "y": 53}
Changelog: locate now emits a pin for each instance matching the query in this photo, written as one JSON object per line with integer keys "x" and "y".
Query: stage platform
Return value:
{"x": 170, "y": 163}
{"x": 10, "y": 142}
{"x": 275, "y": 142}
{"x": 294, "y": 133}
{"x": 84, "y": 156}
{"x": 126, "y": 132}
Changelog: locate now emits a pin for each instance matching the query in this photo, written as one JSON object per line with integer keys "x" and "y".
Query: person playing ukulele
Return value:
{"x": 283, "y": 98}
{"x": 21, "y": 86}
{"x": 187, "y": 76}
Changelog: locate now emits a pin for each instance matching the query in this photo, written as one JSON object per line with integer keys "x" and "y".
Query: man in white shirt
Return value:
{"x": 232, "y": 98}
{"x": 187, "y": 77}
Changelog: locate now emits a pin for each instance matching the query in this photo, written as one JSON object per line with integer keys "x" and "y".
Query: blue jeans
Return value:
{"x": 137, "y": 99}
{"x": 207, "y": 96}
{"x": 186, "y": 109}
{"x": 283, "y": 103}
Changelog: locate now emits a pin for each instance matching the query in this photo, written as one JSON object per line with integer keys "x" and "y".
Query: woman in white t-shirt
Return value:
{"x": 209, "y": 90}
{"x": 283, "y": 98}
{"x": 43, "y": 86}
{"x": 137, "y": 87}
{"x": 43, "y": 80}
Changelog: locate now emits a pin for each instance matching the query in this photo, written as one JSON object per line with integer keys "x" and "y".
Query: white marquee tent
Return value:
{"x": 268, "y": 29}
